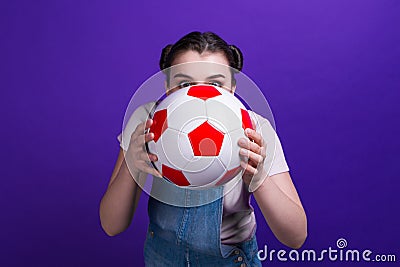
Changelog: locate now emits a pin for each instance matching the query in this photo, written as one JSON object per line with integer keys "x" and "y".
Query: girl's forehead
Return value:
{"x": 200, "y": 70}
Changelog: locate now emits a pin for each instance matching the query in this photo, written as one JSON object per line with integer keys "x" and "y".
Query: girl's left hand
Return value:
{"x": 252, "y": 153}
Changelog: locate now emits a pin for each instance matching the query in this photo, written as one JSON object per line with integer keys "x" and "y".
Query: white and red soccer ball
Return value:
{"x": 196, "y": 132}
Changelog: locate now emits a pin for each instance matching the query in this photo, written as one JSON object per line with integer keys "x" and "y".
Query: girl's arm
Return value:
{"x": 280, "y": 204}
{"x": 276, "y": 196}
{"x": 120, "y": 200}
{"x": 122, "y": 196}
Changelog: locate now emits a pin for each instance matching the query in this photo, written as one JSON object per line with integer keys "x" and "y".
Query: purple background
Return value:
{"x": 330, "y": 70}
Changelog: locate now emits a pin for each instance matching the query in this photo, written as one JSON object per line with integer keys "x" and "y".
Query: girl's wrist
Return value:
{"x": 257, "y": 181}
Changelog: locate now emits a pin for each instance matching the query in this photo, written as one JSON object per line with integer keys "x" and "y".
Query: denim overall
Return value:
{"x": 185, "y": 233}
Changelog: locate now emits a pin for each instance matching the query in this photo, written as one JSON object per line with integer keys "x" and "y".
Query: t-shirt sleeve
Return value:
{"x": 279, "y": 163}
{"x": 119, "y": 138}
{"x": 138, "y": 116}
{"x": 275, "y": 161}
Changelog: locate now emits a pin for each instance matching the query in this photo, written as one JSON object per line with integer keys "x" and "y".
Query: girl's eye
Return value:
{"x": 185, "y": 84}
{"x": 214, "y": 83}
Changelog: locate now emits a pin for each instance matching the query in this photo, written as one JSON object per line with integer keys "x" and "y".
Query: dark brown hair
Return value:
{"x": 201, "y": 42}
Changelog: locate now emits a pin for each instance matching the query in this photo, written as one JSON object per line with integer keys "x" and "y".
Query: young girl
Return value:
{"x": 220, "y": 232}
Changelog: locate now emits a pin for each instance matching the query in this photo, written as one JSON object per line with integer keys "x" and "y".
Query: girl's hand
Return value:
{"x": 252, "y": 153}
{"x": 137, "y": 154}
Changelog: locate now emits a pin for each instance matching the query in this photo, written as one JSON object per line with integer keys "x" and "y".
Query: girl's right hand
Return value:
{"x": 137, "y": 154}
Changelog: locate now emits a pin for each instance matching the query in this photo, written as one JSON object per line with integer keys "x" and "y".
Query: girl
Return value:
{"x": 220, "y": 232}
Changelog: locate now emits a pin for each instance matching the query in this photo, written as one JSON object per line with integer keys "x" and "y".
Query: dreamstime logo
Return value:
{"x": 341, "y": 243}
{"x": 331, "y": 254}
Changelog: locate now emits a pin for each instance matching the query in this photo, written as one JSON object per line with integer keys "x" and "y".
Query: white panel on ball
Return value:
{"x": 229, "y": 154}
{"x": 206, "y": 176}
{"x": 167, "y": 145}
{"x": 219, "y": 111}
{"x": 184, "y": 146}
{"x": 199, "y": 163}
{"x": 179, "y": 113}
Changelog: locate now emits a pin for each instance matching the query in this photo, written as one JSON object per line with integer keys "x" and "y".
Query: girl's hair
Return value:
{"x": 202, "y": 42}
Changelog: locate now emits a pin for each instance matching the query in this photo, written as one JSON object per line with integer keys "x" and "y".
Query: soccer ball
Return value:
{"x": 196, "y": 132}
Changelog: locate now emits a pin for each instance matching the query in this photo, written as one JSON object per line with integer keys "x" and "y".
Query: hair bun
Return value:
{"x": 237, "y": 56}
{"x": 164, "y": 57}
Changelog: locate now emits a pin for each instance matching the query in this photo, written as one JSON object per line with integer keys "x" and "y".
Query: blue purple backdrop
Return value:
{"x": 330, "y": 70}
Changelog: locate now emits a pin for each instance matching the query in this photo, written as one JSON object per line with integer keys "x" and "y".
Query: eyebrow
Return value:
{"x": 216, "y": 76}
{"x": 181, "y": 75}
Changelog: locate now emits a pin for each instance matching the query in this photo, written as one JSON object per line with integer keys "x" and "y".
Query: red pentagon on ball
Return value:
{"x": 160, "y": 124}
{"x": 175, "y": 176}
{"x": 246, "y": 120}
{"x": 206, "y": 140}
{"x": 203, "y": 91}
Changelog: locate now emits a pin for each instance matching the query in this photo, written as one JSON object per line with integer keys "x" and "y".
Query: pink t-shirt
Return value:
{"x": 238, "y": 220}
